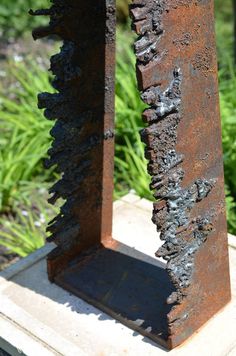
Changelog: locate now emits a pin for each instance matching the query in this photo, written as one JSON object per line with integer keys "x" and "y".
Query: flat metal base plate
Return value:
{"x": 125, "y": 283}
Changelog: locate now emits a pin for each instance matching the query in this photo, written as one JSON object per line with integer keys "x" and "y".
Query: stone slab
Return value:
{"x": 39, "y": 318}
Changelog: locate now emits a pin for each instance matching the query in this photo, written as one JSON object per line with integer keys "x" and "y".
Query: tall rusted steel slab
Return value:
{"x": 177, "y": 77}
{"x": 83, "y": 146}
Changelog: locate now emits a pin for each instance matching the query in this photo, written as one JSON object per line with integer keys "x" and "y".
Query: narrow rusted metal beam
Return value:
{"x": 177, "y": 77}
{"x": 83, "y": 146}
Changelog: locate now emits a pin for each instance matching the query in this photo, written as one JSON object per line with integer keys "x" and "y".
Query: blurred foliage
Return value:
{"x": 122, "y": 10}
{"x": 130, "y": 164}
{"x": 14, "y": 18}
{"x": 25, "y": 133}
{"x": 20, "y": 235}
{"x": 227, "y": 76}
{"x": 25, "y": 232}
{"x": 224, "y": 30}
{"x": 227, "y": 80}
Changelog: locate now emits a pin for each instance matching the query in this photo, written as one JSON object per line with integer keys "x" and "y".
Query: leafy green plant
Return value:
{"x": 130, "y": 164}
{"x": 24, "y": 232}
{"x": 231, "y": 211}
{"x": 14, "y": 17}
{"x": 228, "y": 114}
{"x": 224, "y": 30}
{"x": 131, "y": 170}
{"x": 25, "y": 133}
{"x": 122, "y": 10}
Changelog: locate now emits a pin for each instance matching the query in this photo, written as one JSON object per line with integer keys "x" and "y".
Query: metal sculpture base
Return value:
{"x": 124, "y": 283}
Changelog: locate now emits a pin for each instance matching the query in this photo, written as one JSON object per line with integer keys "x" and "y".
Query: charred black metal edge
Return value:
{"x": 71, "y": 148}
{"x": 64, "y": 153}
{"x": 183, "y": 235}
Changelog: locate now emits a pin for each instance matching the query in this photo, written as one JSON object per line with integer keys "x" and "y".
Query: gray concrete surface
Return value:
{"x": 39, "y": 318}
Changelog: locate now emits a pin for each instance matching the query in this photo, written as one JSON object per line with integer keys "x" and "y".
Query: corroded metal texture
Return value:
{"x": 83, "y": 107}
{"x": 177, "y": 78}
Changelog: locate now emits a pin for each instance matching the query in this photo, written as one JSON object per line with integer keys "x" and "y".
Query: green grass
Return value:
{"x": 224, "y": 30}
{"x": 25, "y": 133}
{"x": 24, "y": 232}
{"x": 130, "y": 164}
{"x": 227, "y": 78}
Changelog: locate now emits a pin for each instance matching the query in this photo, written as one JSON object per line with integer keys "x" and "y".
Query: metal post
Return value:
{"x": 83, "y": 146}
{"x": 177, "y": 77}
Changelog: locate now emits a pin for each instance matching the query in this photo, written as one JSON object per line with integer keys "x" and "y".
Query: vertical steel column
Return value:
{"x": 83, "y": 106}
{"x": 177, "y": 77}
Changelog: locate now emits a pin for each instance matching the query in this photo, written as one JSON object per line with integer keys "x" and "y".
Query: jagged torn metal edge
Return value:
{"x": 69, "y": 152}
{"x": 183, "y": 236}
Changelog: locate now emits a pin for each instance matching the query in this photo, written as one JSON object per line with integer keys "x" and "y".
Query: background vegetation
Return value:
{"x": 25, "y": 136}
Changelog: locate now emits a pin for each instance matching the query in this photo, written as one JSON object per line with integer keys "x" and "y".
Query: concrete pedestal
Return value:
{"x": 39, "y": 318}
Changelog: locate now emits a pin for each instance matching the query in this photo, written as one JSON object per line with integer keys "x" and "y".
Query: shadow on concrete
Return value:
{"x": 125, "y": 284}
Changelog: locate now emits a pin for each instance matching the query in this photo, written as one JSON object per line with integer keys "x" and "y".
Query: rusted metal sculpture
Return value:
{"x": 177, "y": 78}
{"x": 83, "y": 145}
